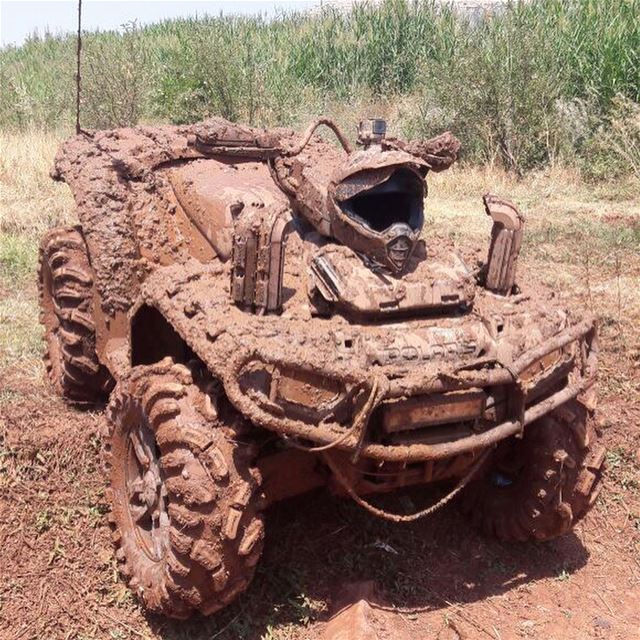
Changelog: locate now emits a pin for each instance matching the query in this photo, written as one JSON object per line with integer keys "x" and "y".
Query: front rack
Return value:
{"x": 328, "y": 433}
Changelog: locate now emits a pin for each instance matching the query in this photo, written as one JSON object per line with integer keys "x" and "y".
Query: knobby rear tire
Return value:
{"x": 65, "y": 288}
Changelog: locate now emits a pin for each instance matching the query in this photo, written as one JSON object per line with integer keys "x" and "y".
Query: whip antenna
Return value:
{"x": 78, "y": 50}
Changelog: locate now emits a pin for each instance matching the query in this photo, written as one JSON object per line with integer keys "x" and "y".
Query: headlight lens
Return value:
{"x": 441, "y": 408}
{"x": 298, "y": 393}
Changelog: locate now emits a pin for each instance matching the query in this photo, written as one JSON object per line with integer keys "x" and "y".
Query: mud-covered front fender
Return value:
{"x": 195, "y": 301}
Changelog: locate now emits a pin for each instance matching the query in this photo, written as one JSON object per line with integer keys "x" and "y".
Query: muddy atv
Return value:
{"x": 265, "y": 314}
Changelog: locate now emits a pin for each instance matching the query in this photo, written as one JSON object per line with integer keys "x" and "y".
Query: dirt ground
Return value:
{"x": 60, "y": 579}
{"x": 437, "y": 578}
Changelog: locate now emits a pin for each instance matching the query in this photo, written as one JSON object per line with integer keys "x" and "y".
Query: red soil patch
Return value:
{"x": 59, "y": 577}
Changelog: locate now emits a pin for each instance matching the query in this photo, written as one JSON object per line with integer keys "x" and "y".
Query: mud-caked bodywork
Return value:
{"x": 288, "y": 288}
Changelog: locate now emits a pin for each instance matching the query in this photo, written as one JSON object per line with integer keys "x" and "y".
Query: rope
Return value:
{"x": 378, "y": 389}
{"x": 394, "y": 517}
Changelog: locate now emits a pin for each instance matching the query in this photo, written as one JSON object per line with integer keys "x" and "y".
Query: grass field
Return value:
{"x": 581, "y": 238}
{"x": 526, "y": 85}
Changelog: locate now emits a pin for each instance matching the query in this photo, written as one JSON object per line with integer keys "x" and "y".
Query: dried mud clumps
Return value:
{"x": 110, "y": 174}
{"x": 439, "y": 152}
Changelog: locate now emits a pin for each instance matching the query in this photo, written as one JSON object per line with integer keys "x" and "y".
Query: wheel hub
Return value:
{"x": 146, "y": 492}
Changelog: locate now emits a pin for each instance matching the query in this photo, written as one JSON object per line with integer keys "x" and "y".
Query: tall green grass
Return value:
{"x": 524, "y": 84}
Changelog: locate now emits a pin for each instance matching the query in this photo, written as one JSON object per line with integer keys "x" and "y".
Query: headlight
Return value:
{"x": 546, "y": 366}
{"x": 297, "y": 393}
{"x": 441, "y": 408}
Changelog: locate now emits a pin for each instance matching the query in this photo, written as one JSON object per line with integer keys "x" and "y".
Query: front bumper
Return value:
{"x": 530, "y": 395}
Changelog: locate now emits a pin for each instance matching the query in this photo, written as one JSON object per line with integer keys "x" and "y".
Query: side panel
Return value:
{"x": 134, "y": 221}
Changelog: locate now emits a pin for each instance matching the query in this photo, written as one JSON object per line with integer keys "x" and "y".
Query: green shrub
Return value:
{"x": 523, "y": 84}
{"x": 17, "y": 259}
{"x": 116, "y": 79}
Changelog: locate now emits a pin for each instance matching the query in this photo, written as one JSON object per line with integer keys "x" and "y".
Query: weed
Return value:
{"x": 119, "y": 594}
{"x": 44, "y": 521}
{"x": 94, "y": 514}
{"x": 615, "y": 458}
{"x": 8, "y": 396}
{"x": 306, "y": 609}
{"x": 57, "y": 552}
{"x": 17, "y": 258}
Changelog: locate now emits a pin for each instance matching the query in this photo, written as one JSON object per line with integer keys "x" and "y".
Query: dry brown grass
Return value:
{"x": 30, "y": 202}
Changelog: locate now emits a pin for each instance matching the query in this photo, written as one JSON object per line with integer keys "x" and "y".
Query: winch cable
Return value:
{"x": 281, "y": 180}
{"x": 294, "y": 151}
{"x": 395, "y": 517}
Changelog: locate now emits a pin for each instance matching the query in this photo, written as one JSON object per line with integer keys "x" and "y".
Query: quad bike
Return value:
{"x": 266, "y": 314}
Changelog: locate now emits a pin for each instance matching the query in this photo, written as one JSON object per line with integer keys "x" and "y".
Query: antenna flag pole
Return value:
{"x": 78, "y": 50}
